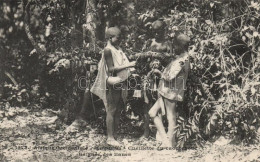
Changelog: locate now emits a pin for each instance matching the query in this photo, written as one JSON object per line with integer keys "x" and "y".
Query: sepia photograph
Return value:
{"x": 129, "y": 80}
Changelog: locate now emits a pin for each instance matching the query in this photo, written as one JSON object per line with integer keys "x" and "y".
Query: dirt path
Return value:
{"x": 27, "y": 136}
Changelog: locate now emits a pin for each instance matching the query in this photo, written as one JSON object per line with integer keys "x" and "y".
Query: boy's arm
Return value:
{"x": 156, "y": 71}
{"x": 172, "y": 71}
{"x": 110, "y": 63}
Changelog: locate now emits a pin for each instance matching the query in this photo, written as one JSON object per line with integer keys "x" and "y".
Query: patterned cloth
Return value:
{"x": 174, "y": 77}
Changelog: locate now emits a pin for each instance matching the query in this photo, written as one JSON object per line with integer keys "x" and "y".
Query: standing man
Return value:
{"x": 110, "y": 84}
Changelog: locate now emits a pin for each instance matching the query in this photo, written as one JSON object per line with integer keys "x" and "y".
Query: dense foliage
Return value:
{"x": 47, "y": 45}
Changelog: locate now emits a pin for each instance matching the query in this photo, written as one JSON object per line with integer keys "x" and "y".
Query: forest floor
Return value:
{"x": 41, "y": 136}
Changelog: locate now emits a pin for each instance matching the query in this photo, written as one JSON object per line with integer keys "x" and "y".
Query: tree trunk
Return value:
{"x": 94, "y": 28}
{"x": 1, "y": 72}
{"x": 26, "y": 7}
{"x": 91, "y": 24}
{"x": 75, "y": 35}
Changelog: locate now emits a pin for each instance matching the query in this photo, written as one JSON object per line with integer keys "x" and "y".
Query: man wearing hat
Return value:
{"x": 110, "y": 84}
{"x": 171, "y": 88}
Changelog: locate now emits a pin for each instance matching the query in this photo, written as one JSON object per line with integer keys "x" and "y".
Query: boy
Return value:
{"x": 171, "y": 88}
{"x": 110, "y": 84}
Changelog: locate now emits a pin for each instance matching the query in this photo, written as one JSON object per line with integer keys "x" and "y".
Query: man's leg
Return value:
{"x": 171, "y": 116}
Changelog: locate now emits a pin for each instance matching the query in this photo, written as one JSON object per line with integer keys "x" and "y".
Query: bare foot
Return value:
{"x": 76, "y": 125}
{"x": 113, "y": 142}
{"x": 115, "y": 135}
{"x": 145, "y": 135}
{"x": 166, "y": 142}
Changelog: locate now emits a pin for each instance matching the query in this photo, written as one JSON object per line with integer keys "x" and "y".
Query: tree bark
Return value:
{"x": 90, "y": 26}
{"x": 26, "y": 7}
{"x": 1, "y": 72}
{"x": 75, "y": 36}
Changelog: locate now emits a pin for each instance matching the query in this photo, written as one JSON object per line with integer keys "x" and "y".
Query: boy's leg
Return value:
{"x": 158, "y": 136}
{"x": 113, "y": 98}
{"x": 120, "y": 106}
{"x": 80, "y": 120}
{"x": 146, "y": 119}
{"x": 158, "y": 121}
{"x": 171, "y": 116}
{"x": 86, "y": 105}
